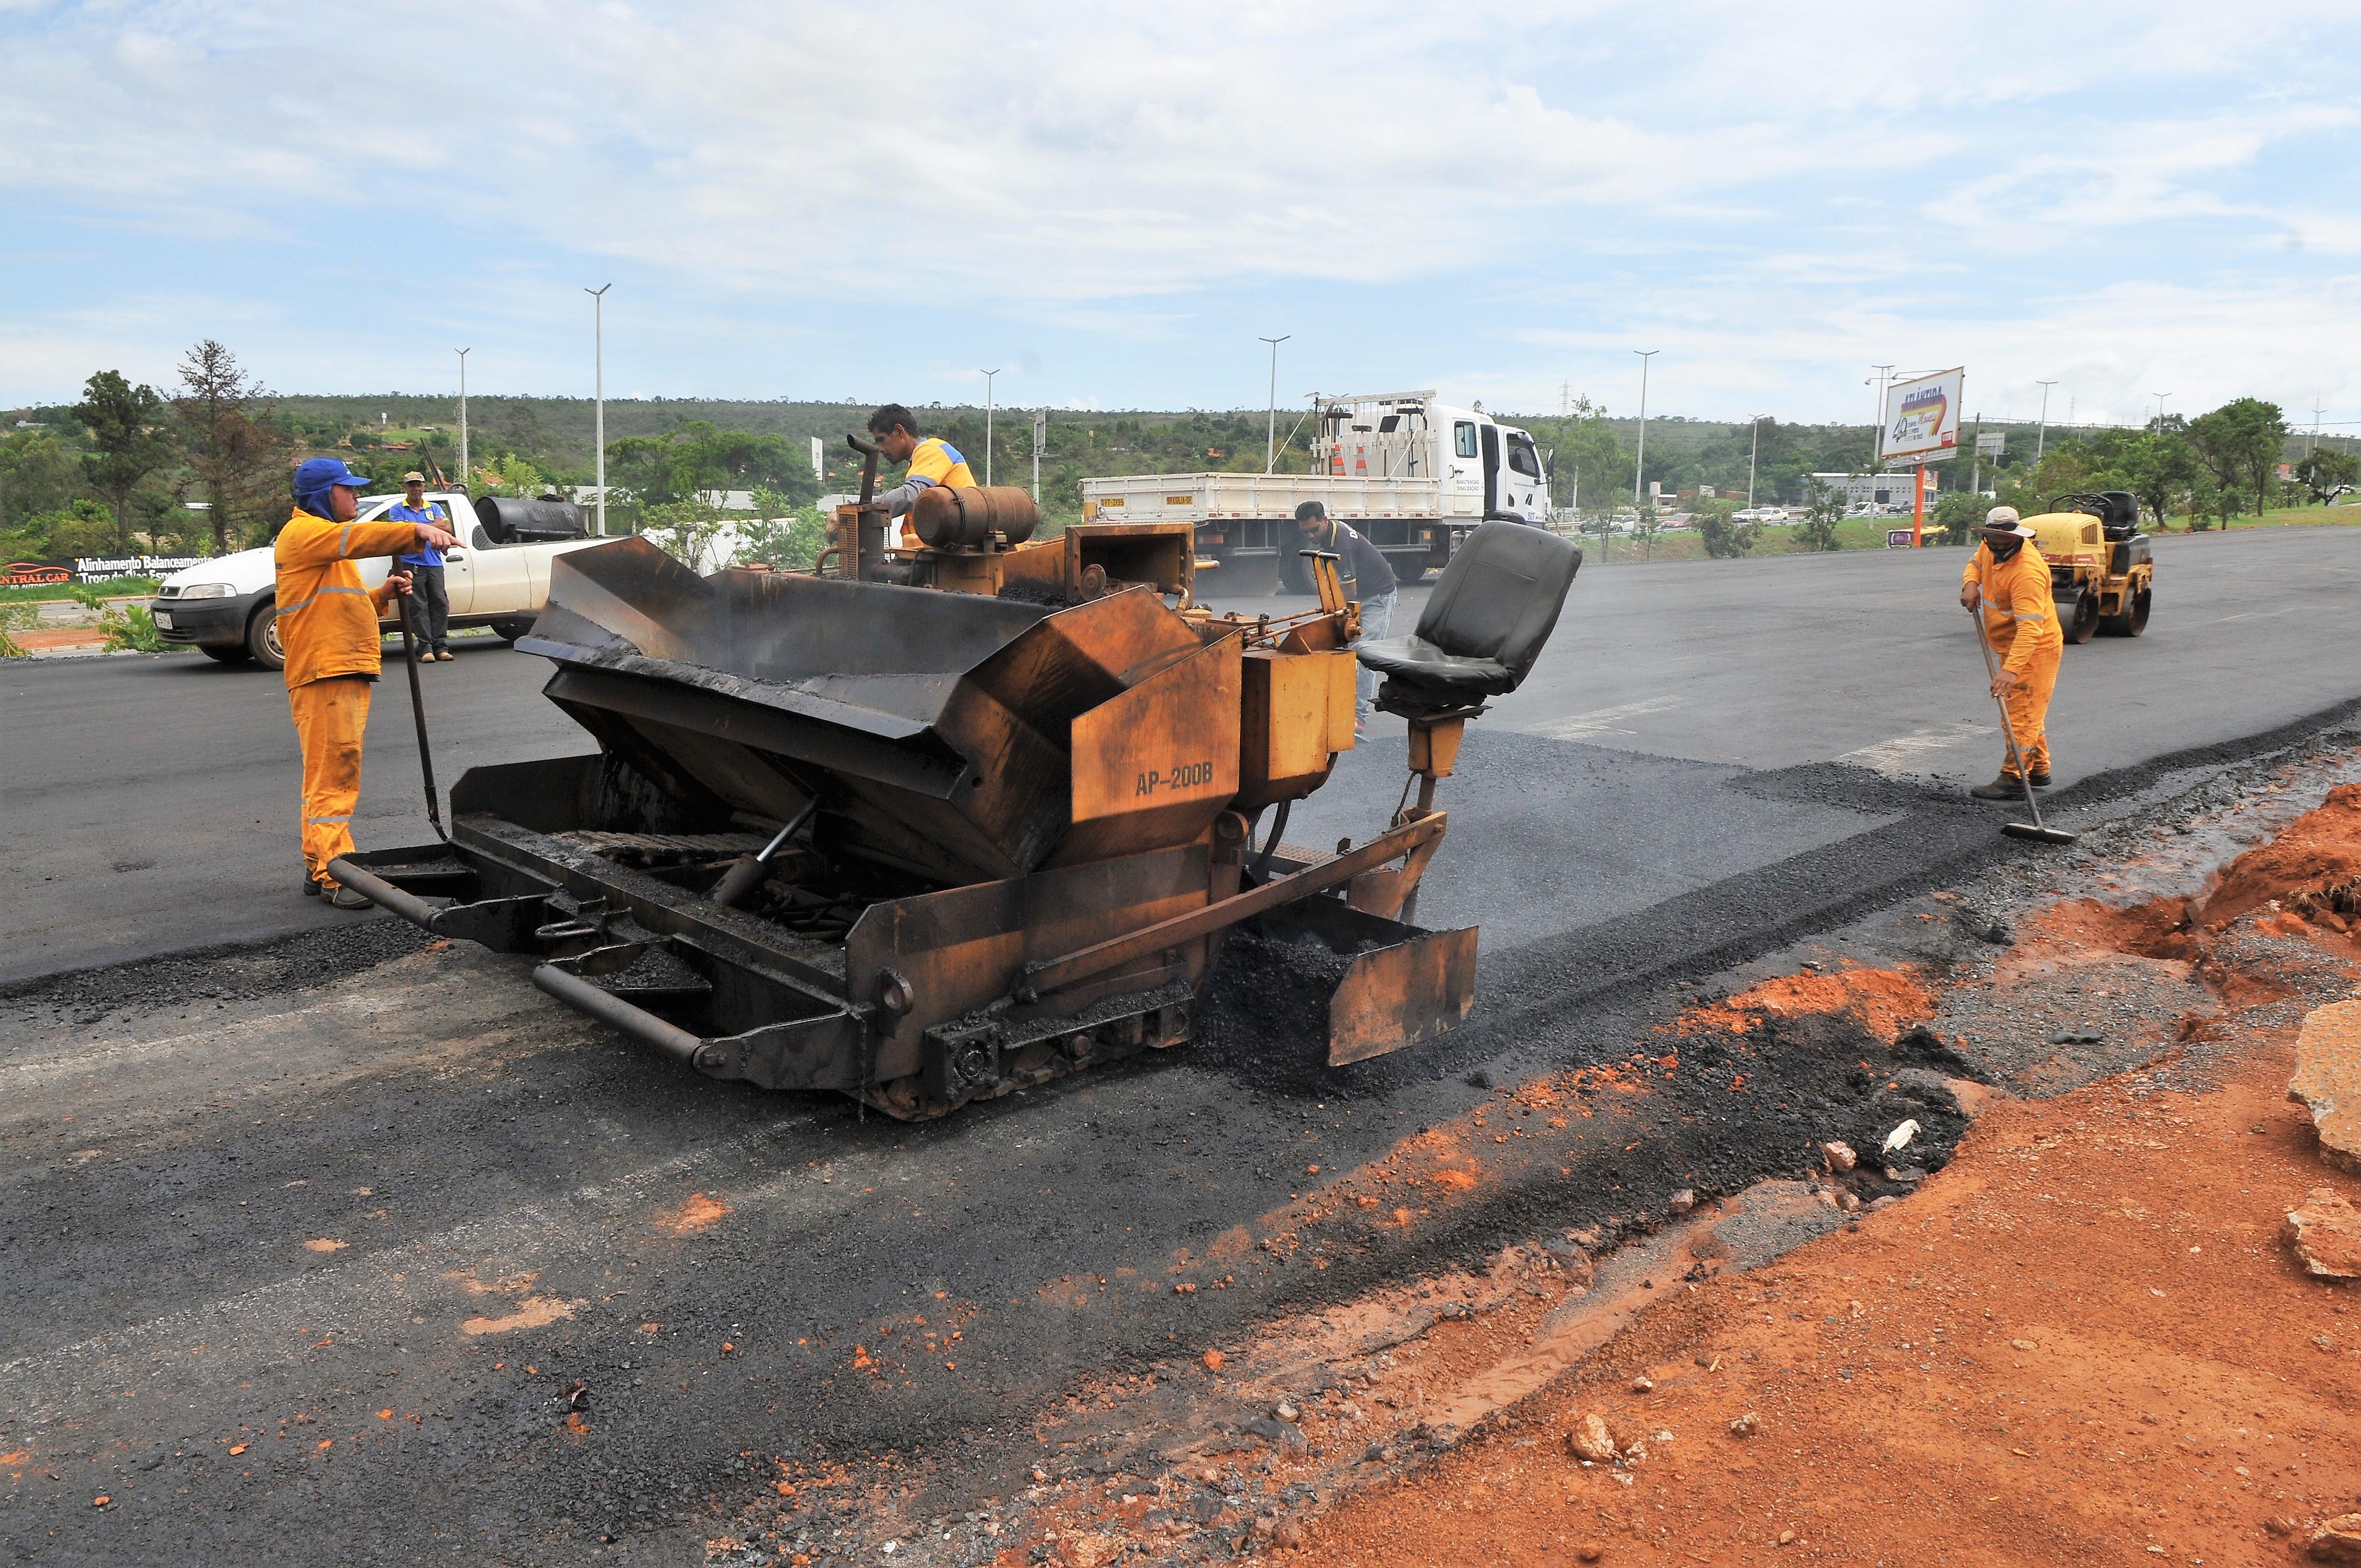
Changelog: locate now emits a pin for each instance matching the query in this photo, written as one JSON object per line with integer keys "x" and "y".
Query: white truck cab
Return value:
{"x": 1412, "y": 474}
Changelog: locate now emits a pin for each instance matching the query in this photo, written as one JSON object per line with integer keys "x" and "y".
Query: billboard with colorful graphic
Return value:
{"x": 1922, "y": 419}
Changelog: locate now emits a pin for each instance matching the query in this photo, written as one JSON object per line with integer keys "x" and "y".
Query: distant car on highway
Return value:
{"x": 227, "y": 608}
{"x": 1760, "y": 514}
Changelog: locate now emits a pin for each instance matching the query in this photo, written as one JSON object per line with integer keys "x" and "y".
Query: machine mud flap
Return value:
{"x": 1402, "y": 985}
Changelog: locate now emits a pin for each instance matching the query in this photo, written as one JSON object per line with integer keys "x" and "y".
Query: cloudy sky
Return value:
{"x": 1114, "y": 201}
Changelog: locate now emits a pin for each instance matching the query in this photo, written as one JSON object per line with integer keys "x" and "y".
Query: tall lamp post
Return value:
{"x": 1271, "y": 424}
{"x": 2041, "y": 432}
{"x": 466, "y": 475}
{"x": 2159, "y": 406}
{"x": 1640, "y": 467}
{"x": 599, "y": 361}
{"x": 1753, "y": 446}
{"x": 987, "y": 376}
{"x": 1877, "y": 424}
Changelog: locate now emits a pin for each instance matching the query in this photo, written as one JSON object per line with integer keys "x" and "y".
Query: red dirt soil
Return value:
{"x": 2083, "y": 1341}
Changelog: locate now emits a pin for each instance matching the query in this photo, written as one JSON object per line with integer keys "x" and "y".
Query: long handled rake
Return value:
{"x": 2034, "y": 829}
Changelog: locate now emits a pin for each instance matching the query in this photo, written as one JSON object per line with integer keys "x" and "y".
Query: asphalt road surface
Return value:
{"x": 342, "y": 1245}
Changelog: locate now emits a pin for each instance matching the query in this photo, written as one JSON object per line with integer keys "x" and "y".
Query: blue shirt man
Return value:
{"x": 428, "y": 605}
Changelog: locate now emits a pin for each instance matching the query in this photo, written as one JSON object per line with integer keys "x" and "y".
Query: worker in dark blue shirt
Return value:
{"x": 429, "y": 602}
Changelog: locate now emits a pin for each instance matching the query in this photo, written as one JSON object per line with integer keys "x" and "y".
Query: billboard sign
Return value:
{"x": 1922, "y": 419}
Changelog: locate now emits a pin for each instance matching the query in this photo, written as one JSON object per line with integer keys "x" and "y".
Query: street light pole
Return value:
{"x": 1270, "y": 425}
{"x": 987, "y": 376}
{"x": 466, "y": 475}
{"x": 1877, "y": 425}
{"x": 1639, "y": 467}
{"x": 2041, "y": 433}
{"x": 1041, "y": 434}
{"x": 599, "y": 354}
{"x": 1753, "y": 446}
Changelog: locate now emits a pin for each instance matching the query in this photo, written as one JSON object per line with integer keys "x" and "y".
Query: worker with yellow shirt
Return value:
{"x": 932, "y": 460}
{"x": 328, "y": 626}
{"x": 2009, "y": 581}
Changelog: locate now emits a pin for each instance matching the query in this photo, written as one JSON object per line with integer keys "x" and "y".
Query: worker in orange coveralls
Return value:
{"x": 328, "y": 626}
{"x": 2009, "y": 581}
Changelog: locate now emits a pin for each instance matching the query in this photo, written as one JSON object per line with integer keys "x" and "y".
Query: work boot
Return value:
{"x": 349, "y": 898}
{"x": 311, "y": 887}
{"x": 2006, "y": 787}
{"x": 2040, "y": 781}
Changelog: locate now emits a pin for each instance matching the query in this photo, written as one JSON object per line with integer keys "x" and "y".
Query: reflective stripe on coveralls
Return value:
{"x": 2021, "y": 619}
{"x": 330, "y": 717}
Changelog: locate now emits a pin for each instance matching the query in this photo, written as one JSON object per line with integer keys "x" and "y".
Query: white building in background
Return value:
{"x": 1879, "y": 490}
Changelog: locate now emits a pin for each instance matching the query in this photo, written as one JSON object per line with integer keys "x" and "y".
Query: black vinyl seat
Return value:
{"x": 1485, "y": 624}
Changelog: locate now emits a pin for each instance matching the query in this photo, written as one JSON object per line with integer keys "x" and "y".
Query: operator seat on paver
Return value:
{"x": 1484, "y": 625}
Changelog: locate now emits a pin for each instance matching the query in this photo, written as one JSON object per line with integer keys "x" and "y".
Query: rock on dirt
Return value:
{"x": 2337, "y": 1541}
{"x": 1590, "y": 1439}
{"x": 2328, "y": 1080}
{"x": 1746, "y": 1425}
{"x": 1840, "y": 1156}
{"x": 2326, "y": 1235}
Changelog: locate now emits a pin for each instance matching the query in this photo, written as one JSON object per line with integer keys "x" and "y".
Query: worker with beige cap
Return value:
{"x": 428, "y": 606}
{"x": 2008, "y": 580}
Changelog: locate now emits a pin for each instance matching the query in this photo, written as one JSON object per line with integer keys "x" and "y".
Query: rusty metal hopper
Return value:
{"x": 957, "y": 738}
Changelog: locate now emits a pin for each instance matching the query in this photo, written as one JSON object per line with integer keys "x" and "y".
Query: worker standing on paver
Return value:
{"x": 2008, "y": 580}
{"x": 428, "y": 603}
{"x": 328, "y": 627}
{"x": 1361, "y": 570}
{"x": 932, "y": 460}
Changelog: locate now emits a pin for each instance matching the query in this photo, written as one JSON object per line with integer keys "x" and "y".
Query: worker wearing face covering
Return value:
{"x": 328, "y": 626}
{"x": 2009, "y": 581}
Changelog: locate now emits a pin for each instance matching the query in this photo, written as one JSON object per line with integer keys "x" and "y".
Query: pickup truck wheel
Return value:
{"x": 262, "y": 638}
{"x": 227, "y": 654}
{"x": 510, "y": 631}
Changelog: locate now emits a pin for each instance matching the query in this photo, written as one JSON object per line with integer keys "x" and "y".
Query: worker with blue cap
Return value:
{"x": 328, "y": 627}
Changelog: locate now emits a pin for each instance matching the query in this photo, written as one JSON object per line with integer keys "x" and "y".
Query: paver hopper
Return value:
{"x": 1005, "y": 838}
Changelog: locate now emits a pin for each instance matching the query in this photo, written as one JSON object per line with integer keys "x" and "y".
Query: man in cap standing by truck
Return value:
{"x": 328, "y": 626}
{"x": 428, "y": 603}
{"x": 2009, "y": 582}
{"x": 1365, "y": 575}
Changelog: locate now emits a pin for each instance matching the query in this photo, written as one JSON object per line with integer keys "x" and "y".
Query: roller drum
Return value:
{"x": 948, "y": 519}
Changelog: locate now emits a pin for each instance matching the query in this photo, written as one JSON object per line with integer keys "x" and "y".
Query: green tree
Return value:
{"x": 2327, "y": 473}
{"x": 235, "y": 449}
{"x": 1824, "y": 509}
{"x": 2159, "y": 466}
{"x": 123, "y": 421}
{"x": 36, "y": 475}
{"x": 1724, "y": 536}
{"x": 2239, "y": 444}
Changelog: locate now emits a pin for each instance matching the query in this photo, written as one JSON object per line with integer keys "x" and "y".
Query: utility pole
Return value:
{"x": 1754, "y": 444}
{"x": 599, "y": 354}
{"x": 1041, "y": 438}
{"x": 987, "y": 376}
{"x": 1640, "y": 468}
{"x": 1976, "y": 459}
{"x": 2318, "y": 408}
{"x": 2041, "y": 435}
{"x": 1270, "y": 425}
{"x": 466, "y": 475}
{"x": 1877, "y": 425}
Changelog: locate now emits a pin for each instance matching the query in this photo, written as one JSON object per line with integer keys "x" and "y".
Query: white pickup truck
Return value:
{"x": 1410, "y": 473}
{"x": 227, "y": 606}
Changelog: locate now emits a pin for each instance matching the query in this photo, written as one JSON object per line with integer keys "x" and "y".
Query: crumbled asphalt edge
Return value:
{"x": 232, "y": 971}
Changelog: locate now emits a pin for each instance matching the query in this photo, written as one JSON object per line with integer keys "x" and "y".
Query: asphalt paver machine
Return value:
{"x": 928, "y": 826}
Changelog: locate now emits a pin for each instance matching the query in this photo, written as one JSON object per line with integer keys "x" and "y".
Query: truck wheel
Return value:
{"x": 228, "y": 652}
{"x": 262, "y": 638}
{"x": 2082, "y": 618}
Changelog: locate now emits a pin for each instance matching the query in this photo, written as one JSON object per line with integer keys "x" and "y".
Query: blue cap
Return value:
{"x": 317, "y": 477}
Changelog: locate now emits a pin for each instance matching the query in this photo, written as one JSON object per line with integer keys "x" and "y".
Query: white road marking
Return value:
{"x": 1605, "y": 721}
{"x": 1906, "y": 755}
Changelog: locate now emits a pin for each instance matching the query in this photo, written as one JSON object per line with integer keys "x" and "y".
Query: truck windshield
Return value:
{"x": 1463, "y": 437}
{"x": 1521, "y": 458}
